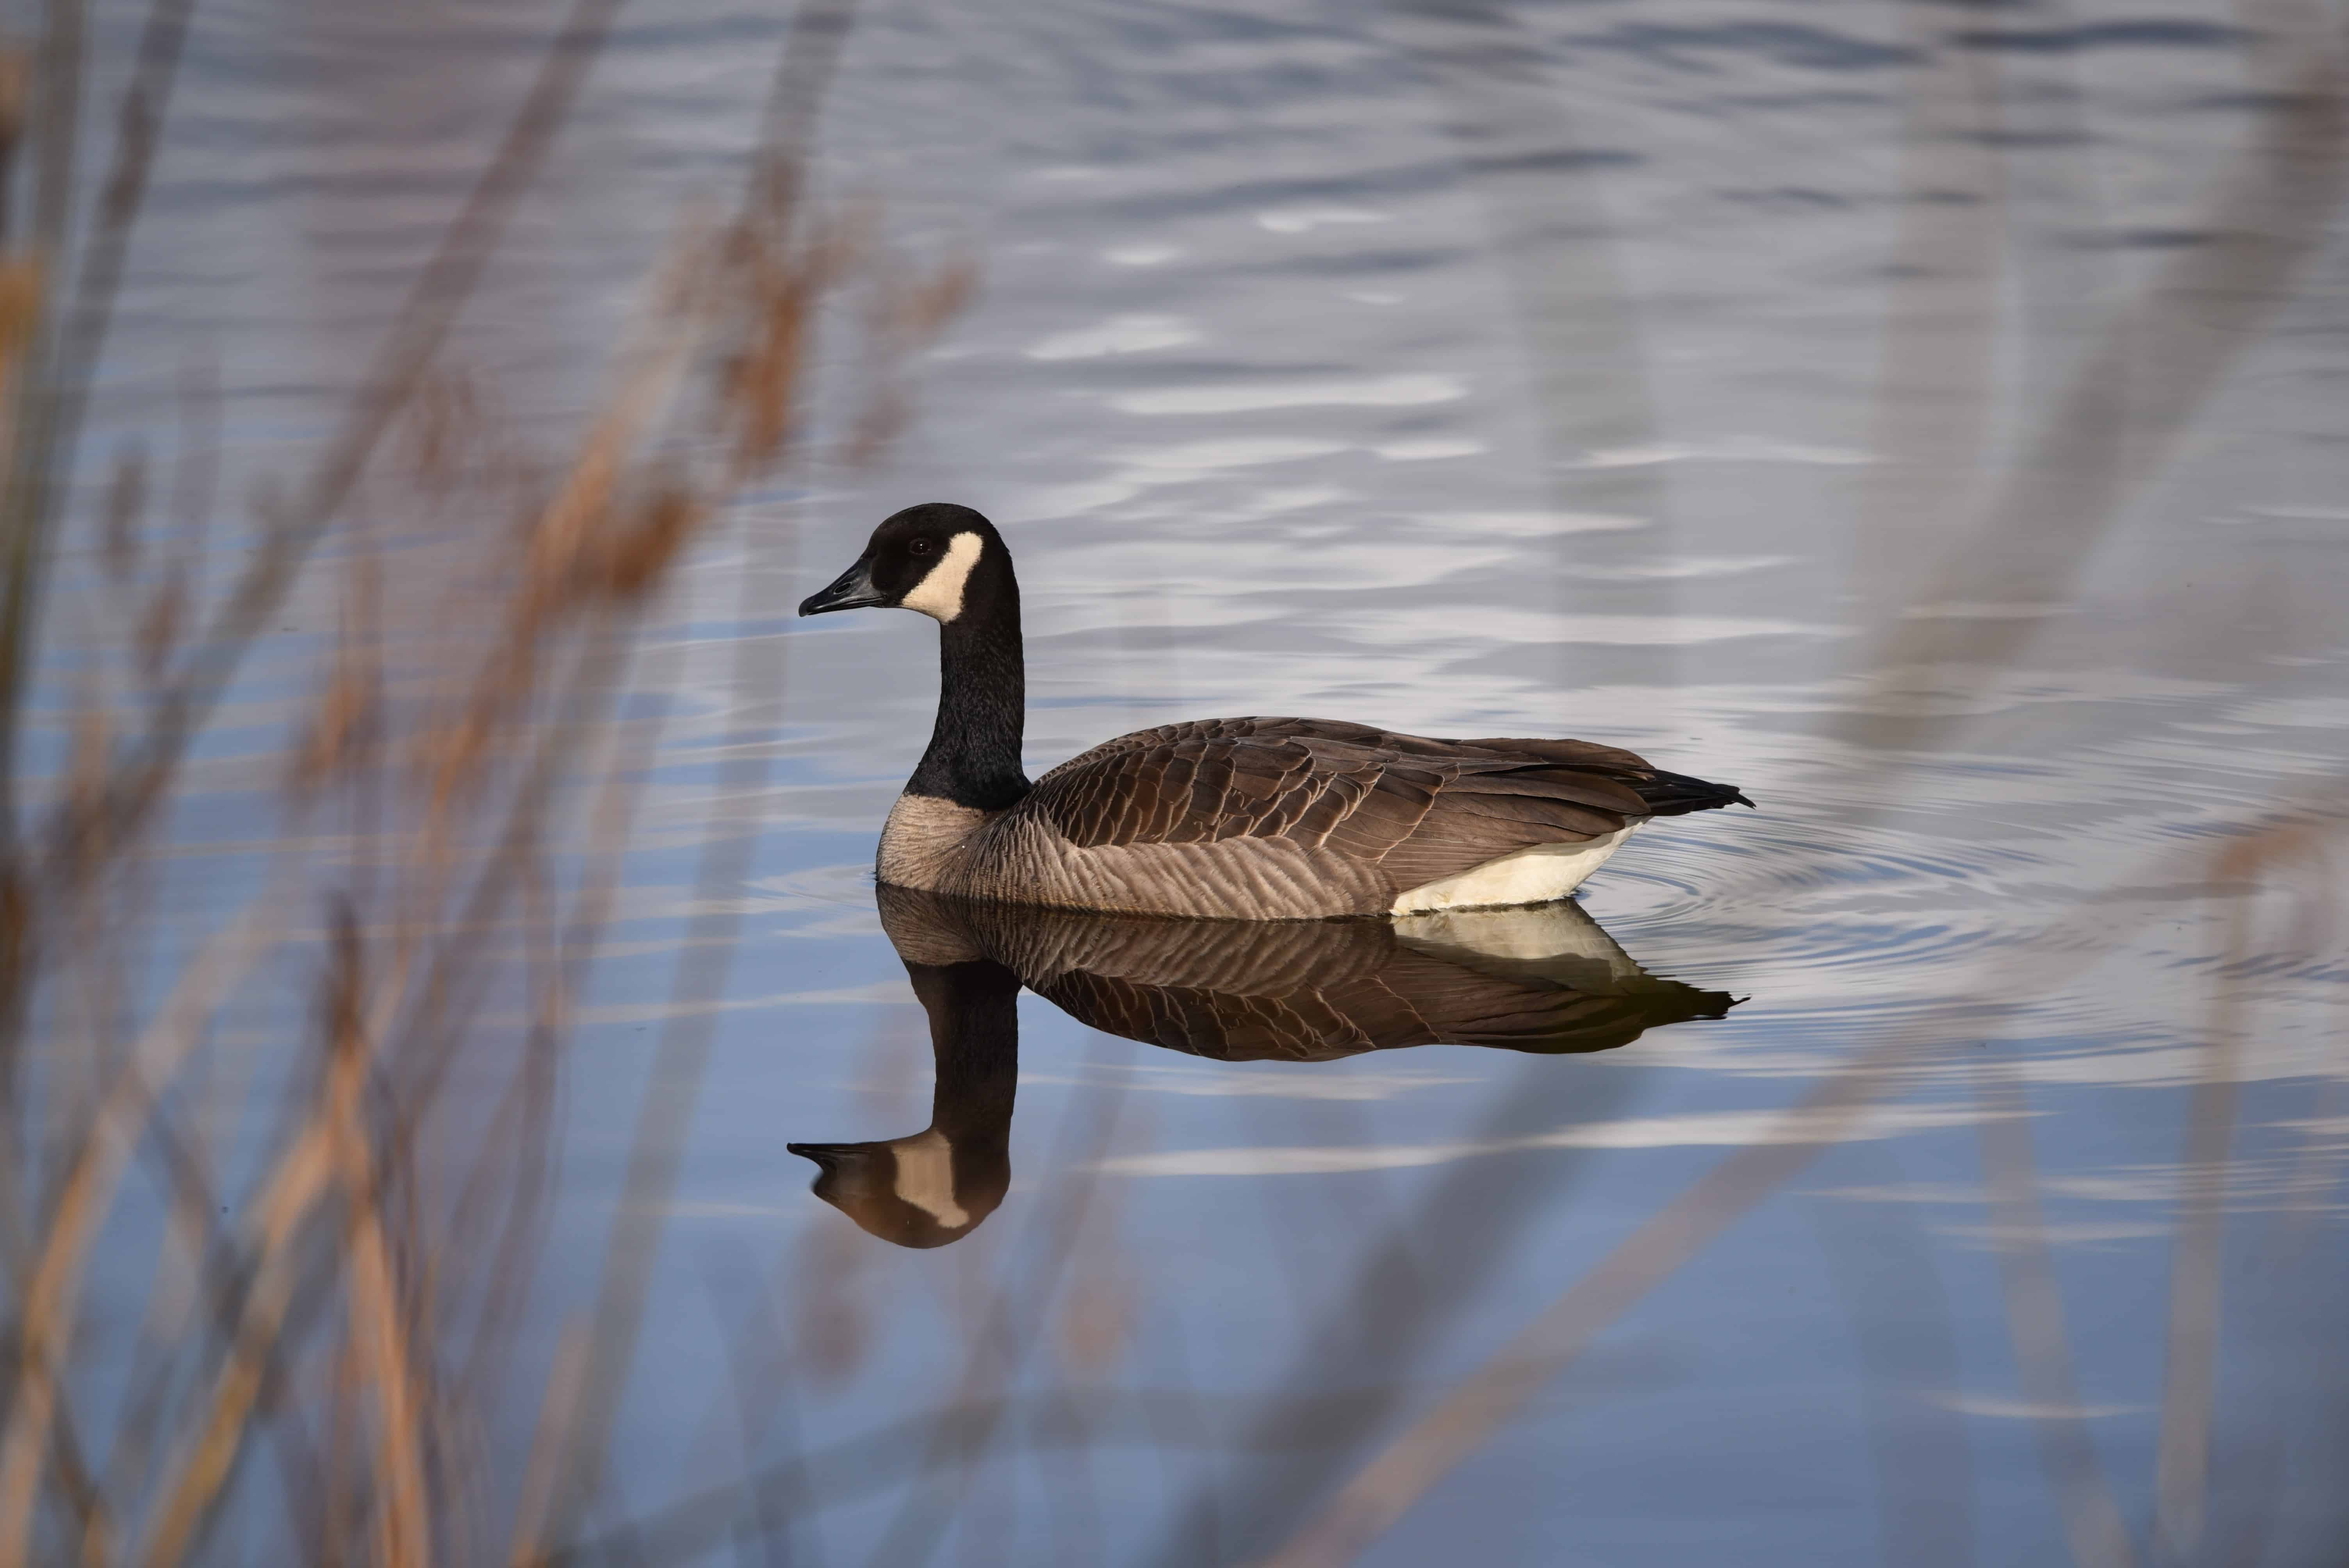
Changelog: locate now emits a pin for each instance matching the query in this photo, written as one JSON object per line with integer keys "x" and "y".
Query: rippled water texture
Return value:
{"x": 1880, "y": 407}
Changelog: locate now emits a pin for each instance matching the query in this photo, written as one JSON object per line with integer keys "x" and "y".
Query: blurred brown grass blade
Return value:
{"x": 556, "y": 1408}
{"x": 1541, "y": 180}
{"x": 50, "y": 406}
{"x": 1934, "y": 381}
{"x": 2093, "y": 1527}
{"x": 780, "y": 258}
{"x": 208, "y": 1448}
{"x": 1003, "y": 1334}
{"x": 845, "y": 1471}
{"x": 1488, "y": 1399}
{"x": 1426, "y": 1267}
{"x": 2182, "y": 1463}
{"x": 1483, "y": 1402}
{"x": 379, "y": 1322}
{"x": 2164, "y": 355}
{"x": 422, "y": 324}
{"x": 84, "y": 1195}
{"x": 1904, "y": 1328}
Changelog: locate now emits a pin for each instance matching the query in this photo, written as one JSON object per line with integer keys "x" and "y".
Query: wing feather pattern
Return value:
{"x": 1419, "y": 808}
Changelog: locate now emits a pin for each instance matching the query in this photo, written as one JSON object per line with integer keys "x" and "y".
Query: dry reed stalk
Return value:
{"x": 304, "y": 1173}
{"x": 569, "y": 545}
{"x": 68, "y": 336}
{"x": 400, "y": 365}
{"x": 563, "y": 1382}
{"x": 2164, "y": 354}
{"x": 2093, "y": 1529}
{"x": 2190, "y": 1385}
{"x": 595, "y": 548}
{"x": 1935, "y": 390}
{"x": 86, "y": 1194}
{"x": 1002, "y": 1335}
{"x": 379, "y": 1324}
{"x": 1481, "y": 1403}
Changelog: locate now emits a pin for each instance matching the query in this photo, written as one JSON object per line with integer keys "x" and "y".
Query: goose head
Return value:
{"x": 944, "y": 561}
{"x": 919, "y": 1191}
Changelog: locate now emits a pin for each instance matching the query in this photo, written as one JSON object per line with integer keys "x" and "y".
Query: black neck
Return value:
{"x": 974, "y": 754}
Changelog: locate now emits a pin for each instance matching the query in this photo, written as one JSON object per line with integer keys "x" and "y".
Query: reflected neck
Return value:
{"x": 974, "y": 754}
{"x": 974, "y": 1017}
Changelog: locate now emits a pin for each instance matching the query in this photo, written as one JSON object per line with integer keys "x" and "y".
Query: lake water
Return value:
{"x": 1661, "y": 376}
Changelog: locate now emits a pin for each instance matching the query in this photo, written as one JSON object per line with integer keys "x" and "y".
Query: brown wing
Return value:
{"x": 1418, "y": 807}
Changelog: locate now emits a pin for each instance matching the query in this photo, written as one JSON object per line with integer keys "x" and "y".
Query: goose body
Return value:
{"x": 1248, "y": 818}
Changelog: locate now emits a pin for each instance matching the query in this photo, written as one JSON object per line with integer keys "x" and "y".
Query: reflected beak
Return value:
{"x": 828, "y": 1157}
{"x": 853, "y": 590}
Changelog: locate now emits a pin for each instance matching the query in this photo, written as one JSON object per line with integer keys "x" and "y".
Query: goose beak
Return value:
{"x": 853, "y": 590}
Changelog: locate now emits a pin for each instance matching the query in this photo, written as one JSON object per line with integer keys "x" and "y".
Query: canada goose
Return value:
{"x": 1546, "y": 980}
{"x": 1248, "y": 818}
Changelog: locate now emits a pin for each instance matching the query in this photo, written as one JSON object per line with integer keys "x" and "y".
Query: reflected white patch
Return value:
{"x": 1523, "y": 935}
{"x": 1542, "y": 875}
{"x": 1696, "y": 1130}
{"x": 926, "y": 1177}
{"x": 1302, "y": 220}
{"x": 1118, "y": 335}
{"x": 938, "y": 595}
{"x": 1361, "y": 392}
{"x": 1140, "y": 255}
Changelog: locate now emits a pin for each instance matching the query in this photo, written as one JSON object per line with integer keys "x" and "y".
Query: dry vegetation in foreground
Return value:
{"x": 330, "y": 1308}
{"x": 331, "y": 1313}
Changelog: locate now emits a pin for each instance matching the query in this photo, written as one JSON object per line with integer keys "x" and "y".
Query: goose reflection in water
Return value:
{"x": 1546, "y": 980}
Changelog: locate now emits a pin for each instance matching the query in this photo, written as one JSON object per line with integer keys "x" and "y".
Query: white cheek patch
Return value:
{"x": 938, "y": 596}
{"x": 925, "y": 1172}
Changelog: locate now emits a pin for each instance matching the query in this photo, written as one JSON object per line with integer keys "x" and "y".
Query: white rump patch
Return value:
{"x": 1539, "y": 875}
{"x": 938, "y": 595}
{"x": 925, "y": 1171}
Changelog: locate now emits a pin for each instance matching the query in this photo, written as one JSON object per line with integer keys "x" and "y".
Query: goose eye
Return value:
{"x": 919, "y": 547}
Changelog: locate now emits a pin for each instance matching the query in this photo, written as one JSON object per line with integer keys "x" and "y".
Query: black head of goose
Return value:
{"x": 1547, "y": 981}
{"x": 1246, "y": 819}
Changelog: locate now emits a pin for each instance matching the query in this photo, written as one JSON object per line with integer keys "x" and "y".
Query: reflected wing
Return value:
{"x": 1542, "y": 980}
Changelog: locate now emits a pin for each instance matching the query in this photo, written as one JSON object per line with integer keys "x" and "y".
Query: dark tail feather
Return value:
{"x": 1676, "y": 794}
